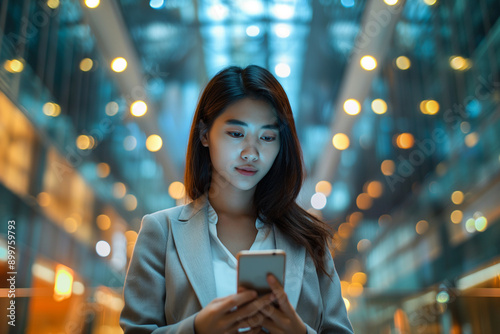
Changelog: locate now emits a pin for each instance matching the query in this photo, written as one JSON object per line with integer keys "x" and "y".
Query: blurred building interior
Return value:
{"x": 396, "y": 103}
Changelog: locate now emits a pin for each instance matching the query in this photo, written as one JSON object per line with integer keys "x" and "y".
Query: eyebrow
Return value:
{"x": 238, "y": 122}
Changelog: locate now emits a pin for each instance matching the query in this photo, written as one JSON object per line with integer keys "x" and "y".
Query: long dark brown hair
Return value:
{"x": 276, "y": 193}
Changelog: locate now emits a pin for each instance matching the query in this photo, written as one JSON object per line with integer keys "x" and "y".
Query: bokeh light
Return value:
{"x": 352, "y": 107}
{"x": 422, "y": 227}
{"x": 456, "y": 216}
{"x": 119, "y": 64}
{"x": 103, "y": 222}
{"x": 119, "y": 190}
{"x": 379, "y": 106}
{"x": 387, "y": 167}
{"x": 86, "y": 64}
{"x": 324, "y": 187}
{"x": 368, "y": 63}
{"x": 340, "y": 141}
{"x": 282, "y": 70}
{"x": 92, "y": 3}
{"x": 403, "y": 63}
{"x": 154, "y": 143}
{"x": 405, "y": 140}
{"x": 103, "y": 170}
{"x": 318, "y": 201}
{"x": 374, "y": 189}
{"x": 138, "y": 108}
{"x": 457, "y": 197}
{"x": 363, "y": 201}
{"x": 176, "y": 190}
{"x": 102, "y": 248}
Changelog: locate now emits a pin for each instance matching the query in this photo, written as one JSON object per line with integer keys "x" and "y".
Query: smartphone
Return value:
{"x": 253, "y": 267}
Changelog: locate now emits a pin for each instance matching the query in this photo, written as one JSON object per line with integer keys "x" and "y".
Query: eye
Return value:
{"x": 235, "y": 134}
{"x": 268, "y": 138}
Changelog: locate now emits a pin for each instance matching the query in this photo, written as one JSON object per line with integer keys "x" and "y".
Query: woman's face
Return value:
{"x": 243, "y": 142}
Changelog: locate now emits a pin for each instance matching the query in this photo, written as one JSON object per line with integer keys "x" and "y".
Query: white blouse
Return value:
{"x": 224, "y": 262}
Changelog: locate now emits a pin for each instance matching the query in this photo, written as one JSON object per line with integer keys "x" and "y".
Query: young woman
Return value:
{"x": 243, "y": 172}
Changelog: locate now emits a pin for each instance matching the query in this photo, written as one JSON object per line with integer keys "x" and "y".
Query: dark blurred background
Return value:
{"x": 396, "y": 105}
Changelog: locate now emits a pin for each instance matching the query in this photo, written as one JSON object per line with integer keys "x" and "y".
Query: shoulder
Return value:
{"x": 181, "y": 213}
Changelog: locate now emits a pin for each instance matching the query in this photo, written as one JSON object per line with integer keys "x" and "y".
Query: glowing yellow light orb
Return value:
{"x": 352, "y": 107}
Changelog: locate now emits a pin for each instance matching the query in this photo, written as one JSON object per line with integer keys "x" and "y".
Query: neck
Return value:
{"x": 230, "y": 201}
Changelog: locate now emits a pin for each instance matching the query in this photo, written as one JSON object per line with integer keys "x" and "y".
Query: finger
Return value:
{"x": 237, "y": 299}
{"x": 280, "y": 294}
{"x": 252, "y": 308}
{"x": 274, "y": 314}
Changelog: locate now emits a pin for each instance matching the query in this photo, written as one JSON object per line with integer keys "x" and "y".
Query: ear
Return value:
{"x": 203, "y": 133}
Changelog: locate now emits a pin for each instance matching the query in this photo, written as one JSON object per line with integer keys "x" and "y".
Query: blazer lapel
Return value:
{"x": 294, "y": 271}
{"x": 192, "y": 241}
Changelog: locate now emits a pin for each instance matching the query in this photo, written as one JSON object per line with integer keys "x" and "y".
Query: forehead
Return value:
{"x": 249, "y": 111}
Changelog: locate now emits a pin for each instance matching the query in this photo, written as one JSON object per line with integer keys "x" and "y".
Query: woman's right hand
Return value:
{"x": 228, "y": 314}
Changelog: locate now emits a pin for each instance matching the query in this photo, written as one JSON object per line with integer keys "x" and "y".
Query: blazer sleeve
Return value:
{"x": 144, "y": 290}
{"x": 335, "y": 320}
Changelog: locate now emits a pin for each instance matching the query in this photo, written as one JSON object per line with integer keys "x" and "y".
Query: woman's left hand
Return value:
{"x": 281, "y": 318}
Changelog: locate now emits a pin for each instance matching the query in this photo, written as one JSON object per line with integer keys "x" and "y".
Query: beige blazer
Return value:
{"x": 170, "y": 277}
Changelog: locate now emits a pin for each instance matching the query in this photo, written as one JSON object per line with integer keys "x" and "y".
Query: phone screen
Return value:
{"x": 253, "y": 267}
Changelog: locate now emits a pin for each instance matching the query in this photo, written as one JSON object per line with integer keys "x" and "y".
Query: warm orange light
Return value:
{"x": 324, "y": 187}
{"x": 63, "y": 283}
{"x": 345, "y": 230}
{"x": 422, "y": 226}
{"x": 103, "y": 170}
{"x": 363, "y": 201}
{"x": 456, "y": 216}
{"x": 359, "y": 277}
{"x": 44, "y": 199}
{"x": 14, "y": 66}
{"x": 340, "y": 141}
{"x": 103, "y": 222}
{"x": 354, "y": 218}
{"x": 457, "y": 197}
{"x": 388, "y": 167}
{"x": 355, "y": 289}
{"x": 84, "y": 142}
{"x": 374, "y": 189}
{"x": 405, "y": 140}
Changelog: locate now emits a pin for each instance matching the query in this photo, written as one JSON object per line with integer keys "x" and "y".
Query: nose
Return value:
{"x": 250, "y": 153}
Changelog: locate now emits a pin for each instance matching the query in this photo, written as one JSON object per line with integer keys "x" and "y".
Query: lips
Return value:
{"x": 246, "y": 170}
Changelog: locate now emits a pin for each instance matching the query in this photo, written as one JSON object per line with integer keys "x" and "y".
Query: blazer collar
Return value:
{"x": 192, "y": 242}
